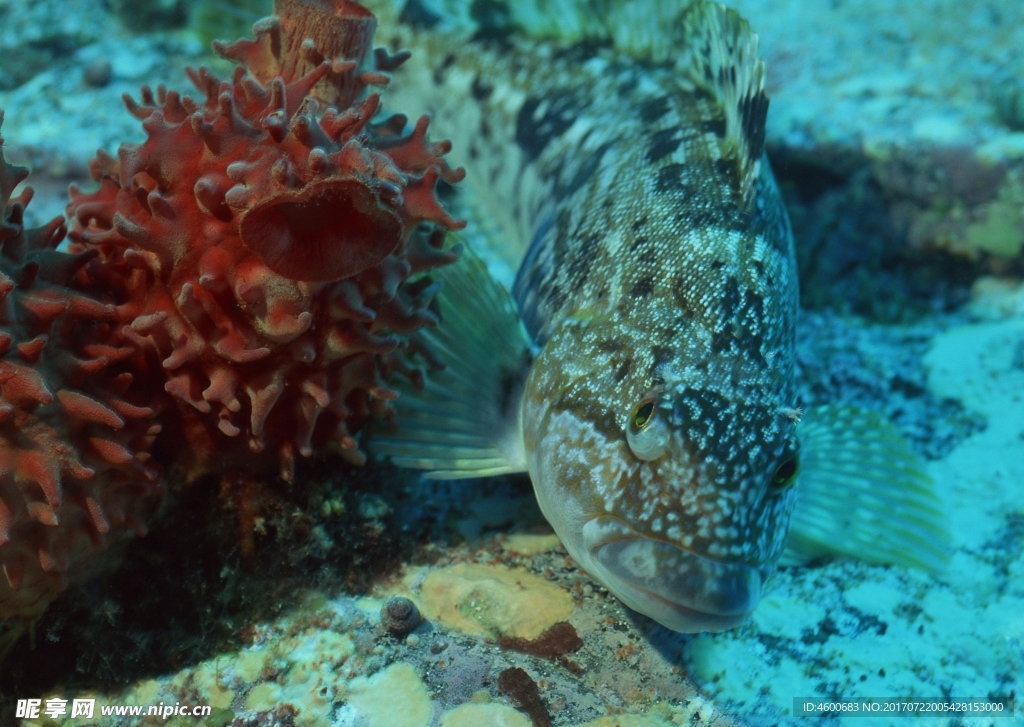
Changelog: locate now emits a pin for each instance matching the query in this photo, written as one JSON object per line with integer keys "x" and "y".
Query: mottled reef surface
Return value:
{"x": 898, "y": 138}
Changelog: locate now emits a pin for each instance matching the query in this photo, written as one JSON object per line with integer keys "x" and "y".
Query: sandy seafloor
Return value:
{"x": 855, "y": 86}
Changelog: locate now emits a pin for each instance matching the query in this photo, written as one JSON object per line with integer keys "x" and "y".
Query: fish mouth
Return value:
{"x": 679, "y": 589}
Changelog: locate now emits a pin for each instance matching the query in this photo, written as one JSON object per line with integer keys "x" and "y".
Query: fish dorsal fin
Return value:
{"x": 712, "y": 47}
{"x": 864, "y": 493}
{"x": 464, "y": 420}
{"x": 720, "y": 56}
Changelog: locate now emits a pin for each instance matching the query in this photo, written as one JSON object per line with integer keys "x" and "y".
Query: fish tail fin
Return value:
{"x": 463, "y": 421}
{"x": 864, "y": 493}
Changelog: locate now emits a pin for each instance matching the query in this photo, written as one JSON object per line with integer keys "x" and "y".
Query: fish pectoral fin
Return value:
{"x": 864, "y": 493}
{"x": 464, "y": 421}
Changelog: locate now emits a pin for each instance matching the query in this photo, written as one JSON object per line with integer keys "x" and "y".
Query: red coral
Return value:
{"x": 75, "y": 474}
{"x": 262, "y": 249}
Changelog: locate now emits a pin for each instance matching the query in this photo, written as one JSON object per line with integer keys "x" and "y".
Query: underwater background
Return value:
{"x": 896, "y": 132}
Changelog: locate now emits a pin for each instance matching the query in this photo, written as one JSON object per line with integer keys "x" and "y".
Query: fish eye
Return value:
{"x": 785, "y": 473}
{"x": 643, "y": 413}
{"x": 646, "y": 434}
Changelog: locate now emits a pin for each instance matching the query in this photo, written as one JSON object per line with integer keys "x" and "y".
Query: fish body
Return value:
{"x": 652, "y": 395}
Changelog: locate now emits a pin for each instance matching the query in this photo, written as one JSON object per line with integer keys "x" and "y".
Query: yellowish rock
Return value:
{"x": 263, "y": 697}
{"x": 145, "y": 692}
{"x": 205, "y": 681}
{"x": 492, "y": 715}
{"x": 493, "y": 600}
{"x": 996, "y": 298}
{"x": 249, "y": 665}
{"x": 395, "y": 697}
{"x": 530, "y": 544}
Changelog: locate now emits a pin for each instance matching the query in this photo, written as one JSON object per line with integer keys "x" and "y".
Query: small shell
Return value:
{"x": 400, "y": 615}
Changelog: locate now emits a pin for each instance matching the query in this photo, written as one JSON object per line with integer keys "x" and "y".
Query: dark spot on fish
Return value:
{"x": 584, "y": 173}
{"x": 730, "y": 302}
{"x": 714, "y": 126}
{"x": 648, "y": 256}
{"x": 485, "y": 128}
{"x": 703, "y": 94}
{"x": 653, "y": 109}
{"x": 728, "y": 307}
{"x": 553, "y": 301}
{"x": 740, "y": 320}
{"x": 577, "y": 268}
{"x": 753, "y": 113}
{"x": 723, "y": 76}
{"x": 717, "y": 264}
{"x": 670, "y": 178}
{"x": 637, "y": 224}
{"x": 663, "y": 143}
{"x": 606, "y": 346}
{"x": 579, "y": 53}
{"x": 679, "y": 294}
{"x": 439, "y": 72}
{"x": 473, "y": 151}
{"x": 643, "y": 287}
{"x": 580, "y": 402}
{"x": 699, "y": 413}
{"x": 759, "y": 268}
{"x": 416, "y": 14}
{"x": 532, "y": 133}
{"x": 480, "y": 91}
{"x": 638, "y": 242}
{"x": 623, "y": 370}
{"x": 493, "y": 17}
{"x": 729, "y": 214}
{"x": 729, "y": 169}
{"x": 662, "y": 355}
{"x": 561, "y": 245}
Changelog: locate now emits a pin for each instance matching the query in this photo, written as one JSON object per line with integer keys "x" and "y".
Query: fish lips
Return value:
{"x": 679, "y": 589}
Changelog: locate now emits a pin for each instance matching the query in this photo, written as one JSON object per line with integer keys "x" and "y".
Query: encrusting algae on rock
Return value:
{"x": 494, "y": 600}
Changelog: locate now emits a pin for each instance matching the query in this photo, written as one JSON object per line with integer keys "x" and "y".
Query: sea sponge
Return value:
{"x": 75, "y": 471}
{"x": 262, "y": 248}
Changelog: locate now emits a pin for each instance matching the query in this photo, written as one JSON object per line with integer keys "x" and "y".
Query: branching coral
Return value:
{"x": 75, "y": 471}
{"x": 262, "y": 250}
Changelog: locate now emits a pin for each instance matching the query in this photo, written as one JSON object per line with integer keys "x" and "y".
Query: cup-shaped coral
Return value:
{"x": 75, "y": 472}
{"x": 262, "y": 245}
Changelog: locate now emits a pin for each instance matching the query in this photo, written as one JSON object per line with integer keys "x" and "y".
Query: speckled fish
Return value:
{"x": 644, "y": 375}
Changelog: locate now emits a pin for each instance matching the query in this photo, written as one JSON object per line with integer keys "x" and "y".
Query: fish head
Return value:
{"x": 673, "y": 490}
